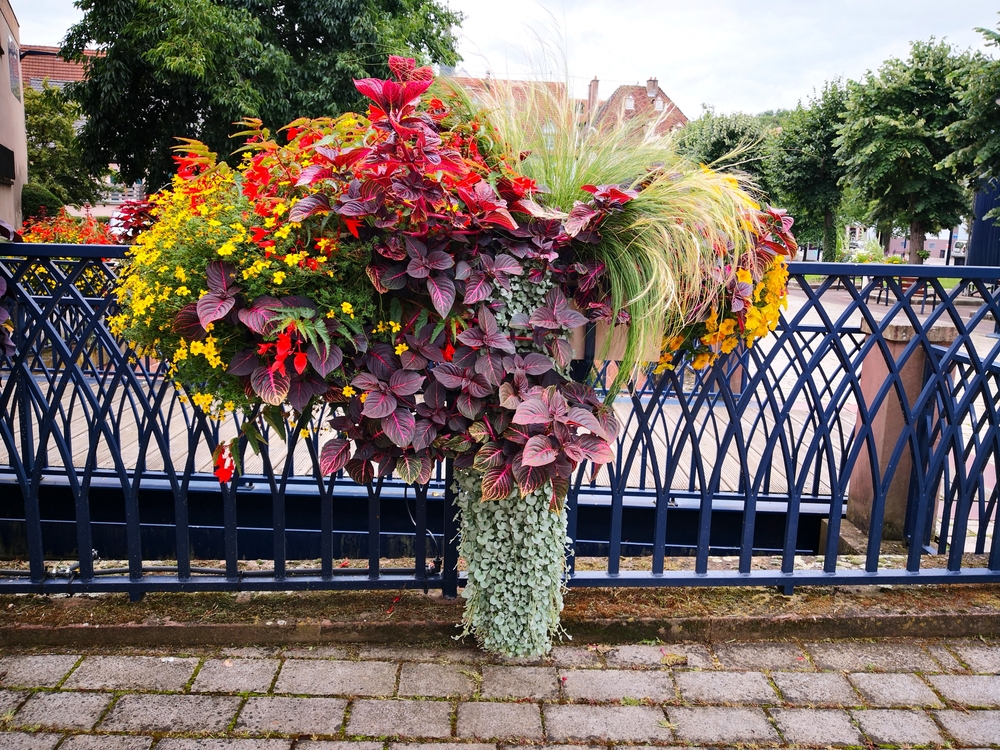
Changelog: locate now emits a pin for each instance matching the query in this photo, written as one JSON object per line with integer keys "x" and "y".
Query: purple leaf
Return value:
{"x": 562, "y": 352}
{"x": 361, "y": 472}
{"x": 533, "y": 411}
{"x": 424, "y": 433}
{"x": 595, "y": 449}
{"x": 244, "y": 363}
{"x": 490, "y": 366}
{"x": 508, "y": 397}
{"x": 580, "y": 417}
{"x": 221, "y": 278}
{"x": 449, "y": 375}
{"x": 463, "y": 270}
{"x": 366, "y": 382}
{"x": 399, "y": 426}
{"x": 270, "y": 384}
{"x": 477, "y": 288}
{"x": 442, "y": 292}
{"x": 313, "y": 173}
{"x": 324, "y": 359}
{"x": 508, "y": 265}
{"x": 529, "y": 478}
{"x": 188, "y": 324}
{"x": 580, "y": 218}
{"x": 469, "y": 406}
{"x": 379, "y": 405}
{"x": 382, "y": 361}
{"x": 395, "y": 277}
{"x": 308, "y": 206}
{"x": 536, "y": 364}
{"x": 212, "y": 307}
{"x": 439, "y": 261}
{"x": 405, "y": 383}
{"x": 300, "y": 390}
{"x": 260, "y": 315}
{"x": 334, "y": 456}
{"x": 412, "y": 361}
{"x": 538, "y": 451}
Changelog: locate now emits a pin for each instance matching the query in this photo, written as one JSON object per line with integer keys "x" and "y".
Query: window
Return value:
{"x": 629, "y": 103}
{"x": 658, "y": 104}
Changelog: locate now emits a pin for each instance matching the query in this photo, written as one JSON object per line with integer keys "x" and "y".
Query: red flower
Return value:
{"x": 224, "y": 463}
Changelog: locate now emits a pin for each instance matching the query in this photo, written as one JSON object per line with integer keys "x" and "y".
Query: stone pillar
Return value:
{"x": 887, "y": 427}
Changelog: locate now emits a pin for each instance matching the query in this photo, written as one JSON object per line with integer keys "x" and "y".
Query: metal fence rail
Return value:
{"x": 877, "y": 397}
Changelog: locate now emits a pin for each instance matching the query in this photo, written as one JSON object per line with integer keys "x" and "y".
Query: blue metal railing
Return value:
{"x": 874, "y": 403}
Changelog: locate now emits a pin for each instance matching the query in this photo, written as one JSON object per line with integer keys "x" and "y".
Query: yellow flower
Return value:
{"x": 348, "y": 391}
{"x": 283, "y": 232}
{"x": 269, "y": 222}
{"x": 280, "y": 209}
{"x": 701, "y": 361}
{"x": 182, "y": 291}
{"x": 203, "y": 401}
{"x": 331, "y": 314}
{"x": 396, "y": 327}
{"x": 347, "y": 308}
{"x": 400, "y": 348}
{"x": 743, "y": 276}
{"x": 279, "y": 277}
{"x": 364, "y": 397}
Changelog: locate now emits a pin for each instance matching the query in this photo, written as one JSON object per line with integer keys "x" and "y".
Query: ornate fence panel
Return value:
{"x": 869, "y": 417}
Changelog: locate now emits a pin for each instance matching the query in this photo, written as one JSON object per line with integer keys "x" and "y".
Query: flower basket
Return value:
{"x": 407, "y": 269}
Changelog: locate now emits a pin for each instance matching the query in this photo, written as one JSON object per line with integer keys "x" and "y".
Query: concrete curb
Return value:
{"x": 711, "y": 629}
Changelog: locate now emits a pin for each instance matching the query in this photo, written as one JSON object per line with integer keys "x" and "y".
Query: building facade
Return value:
{"x": 13, "y": 144}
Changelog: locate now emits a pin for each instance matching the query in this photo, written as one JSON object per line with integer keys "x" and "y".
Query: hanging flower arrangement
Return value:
{"x": 406, "y": 268}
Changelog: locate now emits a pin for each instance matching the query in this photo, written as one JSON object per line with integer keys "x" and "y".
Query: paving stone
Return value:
{"x": 660, "y": 656}
{"x": 337, "y": 745}
{"x": 436, "y": 680}
{"x": 63, "y": 710}
{"x": 980, "y": 657}
{"x": 887, "y": 727}
{"x": 848, "y": 656}
{"x": 11, "y": 699}
{"x": 106, "y": 742}
{"x": 435, "y": 746}
{"x": 972, "y": 727}
{"x": 171, "y": 713}
{"x": 616, "y": 723}
{"x": 948, "y": 661}
{"x": 235, "y": 676}
{"x": 24, "y": 741}
{"x": 757, "y": 656}
{"x": 223, "y": 744}
{"x": 316, "y": 652}
{"x": 35, "y": 671}
{"x": 132, "y": 673}
{"x": 252, "y": 652}
{"x": 894, "y": 689}
{"x": 725, "y": 687}
{"x": 808, "y": 726}
{"x": 722, "y": 725}
{"x": 615, "y": 684}
{"x": 443, "y": 655}
{"x": 113, "y": 742}
{"x": 969, "y": 690}
{"x": 519, "y": 682}
{"x": 400, "y": 718}
{"x": 305, "y": 677}
{"x": 575, "y": 656}
{"x": 513, "y": 720}
{"x": 292, "y": 715}
{"x": 815, "y": 689}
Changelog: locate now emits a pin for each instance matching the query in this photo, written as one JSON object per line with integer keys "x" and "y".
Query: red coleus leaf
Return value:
{"x": 313, "y": 173}
{"x": 360, "y": 471}
{"x": 580, "y": 417}
{"x": 244, "y": 363}
{"x": 408, "y": 468}
{"x": 498, "y": 483}
{"x": 405, "y": 69}
{"x": 424, "y": 433}
{"x": 529, "y": 478}
{"x": 490, "y": 456}
{"x": 271, "y": 384}
{"x": 334, "y": 456}
{"x": 324, "y": 358}
{"x": 405, "y": 382}
{"x": 477, "y": 288}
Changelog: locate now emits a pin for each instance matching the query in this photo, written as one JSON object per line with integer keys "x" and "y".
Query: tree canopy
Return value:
{"x": 730, "y": 141}
{"x": 191, "y": 68}
{"x": 804, "y": 170}
{"x": 55, "y": 161}
{"x": 893, "y": 142}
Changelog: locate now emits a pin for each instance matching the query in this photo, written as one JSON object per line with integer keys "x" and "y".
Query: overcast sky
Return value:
{"x": 734, "y": 54}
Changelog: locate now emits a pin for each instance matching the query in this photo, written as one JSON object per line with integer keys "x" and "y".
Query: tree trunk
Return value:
{"x": 884, "y": 230}
{"x": 917, "y": 237}
{"x": 829, "y": 238}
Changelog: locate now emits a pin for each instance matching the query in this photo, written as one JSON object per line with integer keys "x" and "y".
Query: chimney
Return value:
{"x": 652, "y": 85}
{"x": 592, "y": 98}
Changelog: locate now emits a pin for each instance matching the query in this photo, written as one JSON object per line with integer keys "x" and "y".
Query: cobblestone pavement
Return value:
{"x": 900, "y": 693}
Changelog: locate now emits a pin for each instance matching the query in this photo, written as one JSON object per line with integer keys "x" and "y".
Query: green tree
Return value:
{"x": 893, "y": 141}
{"x": 191, "y": 68}
{"x": 735, "y": 141}
{"x": 804, "y": 170}
{"x": 55, "y": 159}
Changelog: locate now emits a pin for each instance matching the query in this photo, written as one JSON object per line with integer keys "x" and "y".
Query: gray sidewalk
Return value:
{"x": 899, "y": 693}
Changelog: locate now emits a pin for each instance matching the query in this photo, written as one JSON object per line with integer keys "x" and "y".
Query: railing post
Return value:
{"x": 887, "y": 424}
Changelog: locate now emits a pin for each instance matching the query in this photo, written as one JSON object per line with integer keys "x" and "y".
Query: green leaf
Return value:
{"x": 275, "y": 417}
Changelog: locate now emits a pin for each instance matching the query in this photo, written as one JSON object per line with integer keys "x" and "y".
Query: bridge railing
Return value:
{"x": 856, "y": 444}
